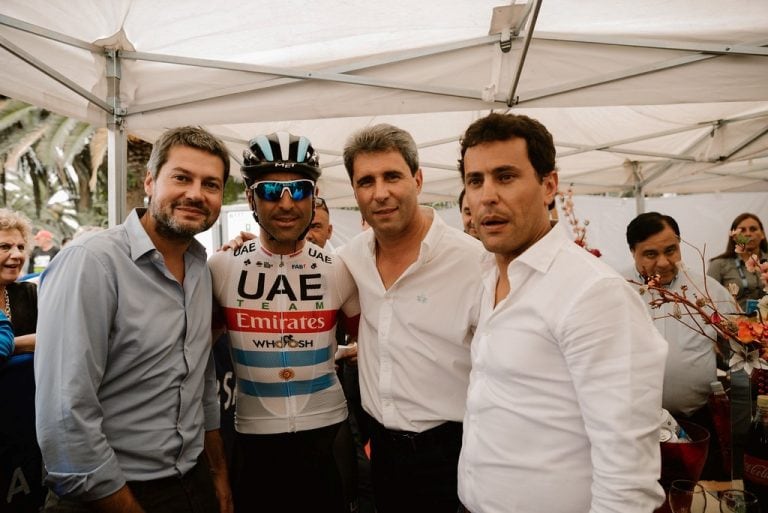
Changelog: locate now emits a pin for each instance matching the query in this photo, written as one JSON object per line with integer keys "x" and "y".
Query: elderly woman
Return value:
{"x": 730, "y": 267}
{"x": 18, "y": 300}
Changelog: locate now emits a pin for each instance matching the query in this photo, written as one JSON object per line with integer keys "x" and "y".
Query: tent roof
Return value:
{"x": 669, "y": 96}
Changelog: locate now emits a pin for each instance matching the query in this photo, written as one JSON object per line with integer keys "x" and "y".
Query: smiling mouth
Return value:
{"x": 192, "y": 211}
{"x": 384, "y": 211}
{"x": 284, "y": 220}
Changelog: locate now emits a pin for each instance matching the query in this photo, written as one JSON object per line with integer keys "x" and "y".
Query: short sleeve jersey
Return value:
{"x": 281, "y": 313}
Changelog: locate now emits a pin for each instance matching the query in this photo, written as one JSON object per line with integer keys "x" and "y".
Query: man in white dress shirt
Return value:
{"x": 564, "y": 400}
{"x": 419, "y": 286}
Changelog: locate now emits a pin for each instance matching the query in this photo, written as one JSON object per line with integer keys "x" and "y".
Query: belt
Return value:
{"x": 414, "y": 440}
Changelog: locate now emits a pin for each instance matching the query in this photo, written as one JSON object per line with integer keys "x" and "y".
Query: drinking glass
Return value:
{"x": 687, "y": 497}
{"x": 738, "y": 501}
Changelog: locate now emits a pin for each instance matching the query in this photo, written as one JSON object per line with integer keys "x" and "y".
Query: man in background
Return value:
{"x": 654, "y": 241}
{"x": 42, "y": 253}
{"x": 466, "y": 215}
{"x": 321, "y": 229}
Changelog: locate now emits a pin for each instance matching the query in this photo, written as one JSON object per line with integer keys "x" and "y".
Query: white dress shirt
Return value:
{"x": 564, "y": 401}
{"x": 691, "y": 364}
{"x": 413, "y": 340}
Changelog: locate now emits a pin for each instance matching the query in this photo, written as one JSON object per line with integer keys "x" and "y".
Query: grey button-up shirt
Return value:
{"x": 125, "y": 377}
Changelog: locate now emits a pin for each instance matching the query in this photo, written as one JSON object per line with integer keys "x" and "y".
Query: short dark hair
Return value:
{"x": 381, "y": 138}
{"x": 461, "y": 198}
{"x": 320, "y": 204}
{"x": 647, "y": 225}
{"x": 502, "y": 127}
{"x": 191, "y": 136}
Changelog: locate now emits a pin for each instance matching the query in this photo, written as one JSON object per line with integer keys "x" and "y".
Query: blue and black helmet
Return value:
{"x": 279, "y": 151}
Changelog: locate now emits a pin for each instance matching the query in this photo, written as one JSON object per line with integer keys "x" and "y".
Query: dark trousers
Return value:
{"x": 300, "y": 472}
{"x": 192, "y": 493}
{"x": 415, "y": 472}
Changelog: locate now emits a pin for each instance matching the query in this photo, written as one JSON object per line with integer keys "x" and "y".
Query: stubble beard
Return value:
{"x": 168, "y": 227}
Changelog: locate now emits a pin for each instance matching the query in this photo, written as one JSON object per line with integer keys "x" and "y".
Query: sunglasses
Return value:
{"x": 274, "y": 190}
{"x": 320, "y": 203}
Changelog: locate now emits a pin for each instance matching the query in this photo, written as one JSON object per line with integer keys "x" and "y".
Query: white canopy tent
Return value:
{"x": 648, "y": 97}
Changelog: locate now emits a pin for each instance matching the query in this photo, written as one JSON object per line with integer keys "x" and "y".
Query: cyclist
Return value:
{"x": 279, "y": 297}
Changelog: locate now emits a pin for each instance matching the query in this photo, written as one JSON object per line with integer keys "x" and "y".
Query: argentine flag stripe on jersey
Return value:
{"x": 285, "y": 389}
{"x": 265, "y": 359}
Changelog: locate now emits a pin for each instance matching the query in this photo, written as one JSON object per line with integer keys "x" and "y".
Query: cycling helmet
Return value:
{"x": 279, "y": 151}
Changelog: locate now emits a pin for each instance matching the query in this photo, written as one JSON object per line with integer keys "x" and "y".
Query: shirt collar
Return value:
{"x": 434, "y": 234}
{"x": 140, "y": 244}
{"x": 542, "y": 253}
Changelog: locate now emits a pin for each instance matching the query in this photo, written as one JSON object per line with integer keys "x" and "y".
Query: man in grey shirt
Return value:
{"x": 126, "y": 392}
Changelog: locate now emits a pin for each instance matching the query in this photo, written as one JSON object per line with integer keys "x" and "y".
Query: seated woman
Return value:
{"x": 18, "y": 300}
{"x": 730, "y": 267}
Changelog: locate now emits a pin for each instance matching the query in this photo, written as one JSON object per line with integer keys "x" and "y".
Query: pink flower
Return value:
{"x": 579, "y": 229}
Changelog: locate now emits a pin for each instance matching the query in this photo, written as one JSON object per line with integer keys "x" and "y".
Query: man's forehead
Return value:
{"x": 665, "y": 238}
{"x": 369, "y": 161}
{"x": 320, "y": 215}
{"x": 497, "y": 155}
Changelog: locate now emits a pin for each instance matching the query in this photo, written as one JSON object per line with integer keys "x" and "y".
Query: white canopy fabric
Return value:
{"x": 652, "y": 96}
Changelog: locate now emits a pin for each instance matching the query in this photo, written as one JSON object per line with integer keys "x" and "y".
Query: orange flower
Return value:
{"x": 745, "y": 332}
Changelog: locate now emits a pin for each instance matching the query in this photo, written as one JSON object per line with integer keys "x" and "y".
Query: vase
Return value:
{"x": 683, "y": 460}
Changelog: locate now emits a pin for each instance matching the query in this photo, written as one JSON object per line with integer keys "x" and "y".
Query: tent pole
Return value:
{"x": 117, "y": 143}
{"x": 638, "y": 188}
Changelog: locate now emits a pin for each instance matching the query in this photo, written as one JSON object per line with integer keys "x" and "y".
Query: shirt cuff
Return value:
{"x": 104, "y": 480}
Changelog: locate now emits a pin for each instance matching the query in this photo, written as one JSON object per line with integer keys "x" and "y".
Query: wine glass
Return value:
{"x": 738, "y": 501}
{"x": 687, "y": 497}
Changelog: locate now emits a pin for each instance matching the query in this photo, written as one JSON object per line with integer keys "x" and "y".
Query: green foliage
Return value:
{"x": 233, "y": 192}
{"x": 47, "y": 168}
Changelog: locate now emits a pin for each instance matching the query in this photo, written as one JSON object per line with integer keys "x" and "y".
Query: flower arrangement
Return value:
{"x": 745, "y": 334}
{"x": 579, "y": 229}
{"x": 753, "y": 328}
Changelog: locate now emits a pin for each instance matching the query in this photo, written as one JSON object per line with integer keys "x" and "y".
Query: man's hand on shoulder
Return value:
{"x": 238, "y": 241}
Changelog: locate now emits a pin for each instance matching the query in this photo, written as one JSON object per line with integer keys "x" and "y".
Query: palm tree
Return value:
{"x": 53, "y": 168}
{"x": 50, "y": 163}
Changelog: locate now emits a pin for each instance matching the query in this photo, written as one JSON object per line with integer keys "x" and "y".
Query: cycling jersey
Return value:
{"x": 280, "y": 313}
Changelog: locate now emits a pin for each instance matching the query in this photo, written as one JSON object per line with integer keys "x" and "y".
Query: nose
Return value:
{"x": 380, "y": 190}
{"x": 663, "y": 262}
{"x": 16, "y": 252}
{"x": 195, "y": 190}
{"x": 285, "y": 201}
{"x": 488, "y": 192}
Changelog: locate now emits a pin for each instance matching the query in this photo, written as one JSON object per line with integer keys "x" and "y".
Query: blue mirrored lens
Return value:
{"x": 273, "y": 191}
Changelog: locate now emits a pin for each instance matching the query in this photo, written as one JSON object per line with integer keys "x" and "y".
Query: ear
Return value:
{"x": 419, "y": 177}
{"x": 149, "y": 184}
{"x": 550, "y": 183}
{"x": 330, "y": 231}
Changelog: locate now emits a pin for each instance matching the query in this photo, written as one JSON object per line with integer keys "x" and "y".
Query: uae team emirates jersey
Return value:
{"x": 281, "y": 313}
